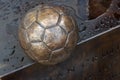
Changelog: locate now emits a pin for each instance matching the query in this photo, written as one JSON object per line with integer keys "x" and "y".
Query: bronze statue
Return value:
{"x": 48, "y": 34}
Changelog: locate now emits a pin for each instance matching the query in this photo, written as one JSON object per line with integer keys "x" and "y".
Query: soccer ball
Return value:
{"x": 48, "y": 34}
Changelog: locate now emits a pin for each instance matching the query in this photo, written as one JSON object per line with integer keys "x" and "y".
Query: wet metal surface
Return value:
{"x": 11, "y": 11}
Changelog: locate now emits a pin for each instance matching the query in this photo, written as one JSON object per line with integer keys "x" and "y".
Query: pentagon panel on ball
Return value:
{"x": 48, "y": 34}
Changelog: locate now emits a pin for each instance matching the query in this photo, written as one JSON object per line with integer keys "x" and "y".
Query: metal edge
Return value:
{"x": 17, "y": 70}
{"x": 100, "y": 34}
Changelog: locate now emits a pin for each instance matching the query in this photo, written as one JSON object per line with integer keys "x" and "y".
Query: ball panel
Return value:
{"x": 55, "y": 38}
{"x": 59, "y": 10}
{"x": 58, "y": 56}
{"x": 29, "y": 53}
{"x": 23, "y": 38}
{"x": 35, "y": 32}
{"x": 45, "y": 62}
{"x": 46, "y": 6}
{"x": 71, "y": 41}
{"x": 40, "y": 51}
{"x": 30, "y": 17}
{"x": 66, "y": 23}
{"x": 48, "y": 17}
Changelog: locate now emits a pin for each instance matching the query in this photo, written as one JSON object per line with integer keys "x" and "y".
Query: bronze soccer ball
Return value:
{"x": 48, "y": 34}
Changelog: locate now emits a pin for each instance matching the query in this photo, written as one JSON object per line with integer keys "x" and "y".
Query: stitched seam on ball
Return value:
{"x": 59, "y": 20}
{"x": 47, "y": 46}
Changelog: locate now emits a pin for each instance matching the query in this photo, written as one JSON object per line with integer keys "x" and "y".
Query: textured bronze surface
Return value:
{"x": 48, "y": 35}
